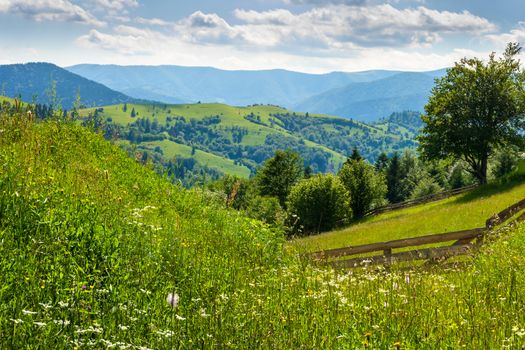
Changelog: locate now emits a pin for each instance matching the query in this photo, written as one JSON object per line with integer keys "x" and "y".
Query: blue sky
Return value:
{"x": 304, "y": 35}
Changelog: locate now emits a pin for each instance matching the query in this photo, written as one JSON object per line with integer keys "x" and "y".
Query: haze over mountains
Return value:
{"x": 366, "y": 96}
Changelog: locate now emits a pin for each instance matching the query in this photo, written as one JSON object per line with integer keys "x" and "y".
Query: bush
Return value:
{"x": 266, "y": 209}
{"x": 426, "y": 186}
{"x": 506, "y": 161}
{"x": 318, "y": 204}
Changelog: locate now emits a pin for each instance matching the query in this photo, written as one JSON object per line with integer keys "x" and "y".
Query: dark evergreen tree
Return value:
{"x": 279, "y": 174}
{"x": 381, "y": 163}
{"x": 393, "y": 180}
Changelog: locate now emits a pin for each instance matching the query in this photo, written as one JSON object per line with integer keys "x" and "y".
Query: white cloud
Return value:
{"x": 153, "y": 22}
{"x": 125, "y": 40}
{"x": 50, "y": 10}
{"x": 369, "y": 26}
{"x": 340, "y": 28}
{"x": 325, "y": 2}
{"x": 514, "y": 35}
{"x": 318, "y": 40}
{"x": 116, "y": 5}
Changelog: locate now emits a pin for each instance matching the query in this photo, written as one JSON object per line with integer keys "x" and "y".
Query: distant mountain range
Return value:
{"x": 32, "y": 81}
{"x": 367, "y": 96}
{"x": 369, "y": 101}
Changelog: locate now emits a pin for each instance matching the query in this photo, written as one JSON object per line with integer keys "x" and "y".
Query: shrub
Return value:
{"x": 266, "y": 209}
{"x": 426, "y": 186}
{"x": 318, "y": 204}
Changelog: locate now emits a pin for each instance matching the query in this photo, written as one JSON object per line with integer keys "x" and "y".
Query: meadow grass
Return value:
{"x": 466, "y": 211}
{"x": 173, "y": 150}
{"x": 92, "y": 243}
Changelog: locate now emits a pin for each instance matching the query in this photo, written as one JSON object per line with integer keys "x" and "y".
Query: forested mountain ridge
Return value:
{"x": 237, "y": 140}
{"x": 36, "y": 81}
{"x": 369, "y": 95}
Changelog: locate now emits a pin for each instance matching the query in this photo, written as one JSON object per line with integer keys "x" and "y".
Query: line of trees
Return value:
{"x": 285, "y": 193}
{"x": 475, "y": 114}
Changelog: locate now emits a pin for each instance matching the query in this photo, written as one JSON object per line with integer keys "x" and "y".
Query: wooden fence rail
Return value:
{"x": 463, "y": 244}
{"x": 421, "y": 200}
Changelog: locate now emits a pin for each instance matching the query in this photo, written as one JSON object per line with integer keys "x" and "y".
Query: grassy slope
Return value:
{"x": 91, "y": 243}
{"x": 173, "y": 150}
{"x": 462, "y": 212}
{"x": 230, "y": 116}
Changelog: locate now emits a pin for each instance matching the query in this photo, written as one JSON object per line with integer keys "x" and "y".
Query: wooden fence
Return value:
{"x": 421, "y": 200}
{"x": 464, "y": 242}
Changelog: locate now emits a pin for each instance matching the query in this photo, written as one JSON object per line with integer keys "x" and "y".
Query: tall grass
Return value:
{"x": 92, "y": 243}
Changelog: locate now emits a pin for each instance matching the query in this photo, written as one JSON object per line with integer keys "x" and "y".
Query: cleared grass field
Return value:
{"x": 174, "y": 150}
{"x": 231, "y": 116}
{"x": 461, "y": 212}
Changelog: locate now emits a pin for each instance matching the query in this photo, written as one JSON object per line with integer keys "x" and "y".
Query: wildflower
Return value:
{"x": 62, "y": 322}
{"x": 165, "y": 333}
{"x": 180, "y": 318}
{"x": 27, "y": 312}
{"x": 16, "y": 321}
{"x": 203, "y": 313}
{"x": 123, "y": 328}
{"x": 45, "y": 306}
{"x": 173, "y": 299}
{"x": 39, "y": 324}
{"x": 63, "y": 304}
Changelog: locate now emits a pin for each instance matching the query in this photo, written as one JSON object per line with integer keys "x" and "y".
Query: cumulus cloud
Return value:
{"x": 116, "y": 5}
{"x": 113, "y": 7}
{"x": 325, "y": 2}
{"x": 332, "y": 27}
{"x": 337, "y": 33}
{"x": 126, "y": 40}
{"x": 514, "y": 35}
{"x": 49, "y": 10}
{"x": 153, "y": 22}
{"x": 382, "y": 25}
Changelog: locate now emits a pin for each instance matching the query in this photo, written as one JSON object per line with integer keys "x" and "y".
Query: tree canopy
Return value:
{"x": 367, "y": 188}
{"x": 475, "y": 109}
{"x": 279, "y": 174}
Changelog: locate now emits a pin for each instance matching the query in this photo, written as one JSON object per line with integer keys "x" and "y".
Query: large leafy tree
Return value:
{"x": 476, "y": 108}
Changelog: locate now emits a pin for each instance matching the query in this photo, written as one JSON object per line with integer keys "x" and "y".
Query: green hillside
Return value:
{"x": 237, "y": 140}
{"x": 466, "y": 211}
{"x": 92, "y": 243}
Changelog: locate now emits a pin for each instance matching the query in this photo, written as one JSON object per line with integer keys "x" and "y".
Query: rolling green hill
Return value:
{"x": 236, "y": 140}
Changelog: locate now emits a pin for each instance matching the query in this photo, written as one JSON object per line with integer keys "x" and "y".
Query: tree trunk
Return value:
{"x": 484, "y": 162}
{"x": 478, "y": 168}
{"x": 481, "y": 171}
